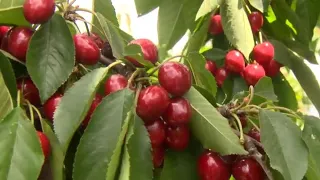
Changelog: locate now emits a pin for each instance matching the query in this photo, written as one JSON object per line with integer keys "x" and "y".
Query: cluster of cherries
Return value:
{"x": 262, "y": 53}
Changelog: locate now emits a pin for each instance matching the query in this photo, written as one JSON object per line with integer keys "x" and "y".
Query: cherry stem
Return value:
{"x": 151, "y": 78}
{"x": 264, "y": 104}
{"x": 240, "y": 127}
{"x": 82, "y": 67}
{"x": 118, "y": 68}
{"x": 235, "y": 125}
{"x": 86, "y": 10}
{"x": 260, "y": 37}
{"x": 18, "y": 98}
{"x": 254, "y": 124}
{"x": 71, "y": 3}
{"x": 30, "y": 111}
{"x": 83, "y": 20}
{"x": 37, "y": 111}
{"x": 169, "y": 59}
{"x": 285, "y": 110}
{"x": 246, "y": 6}
{"x": 133, "y": 76}
{"x": 139, "y": 87}
{"x": 250, "y": 96}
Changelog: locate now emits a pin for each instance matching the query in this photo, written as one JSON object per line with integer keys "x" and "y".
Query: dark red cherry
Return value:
{"x": 115, "y": 83}
{"x": 51, "y": 105}
{"x": 273, "y": 68}
{"x": 158, "y": 156}
{"x": 5, "y": 41}
{"x": 45, "y": 144}
{"x": 263, "y": 53}
{"x": 243, "y": 120}
{"x": 234, "y": 61}
{"x": 178, "y": 137}
{"x": 215, "y": 26}
{"x": 152, "y": 102}
{"x": 253, "y": 73}
{"x": 3, "y": 32}
{"x": 96, "y": 38}
{"x": 178, "y": 112}
{"x": 29, "y": 91}
{"x": 256, "y": 21}
{"x": 212, "y": 167}
{"x": 247, "y": 169}
{"x": 221, "y": 76}
{"x": 175, "y": 78}
{"x": 107, "y": 50}
{"x": 211, "y": 66}
{"x": 95, "y": 102}
{"x": 87, "y": 51}
{"x": 149, "y": 50}
{"x": 157, "y": 132}
{"x": 38, "y": 11}
{"x": 255, "y": 134}
{"x": 229, "y": 159}
{"x": 18, "y": 42}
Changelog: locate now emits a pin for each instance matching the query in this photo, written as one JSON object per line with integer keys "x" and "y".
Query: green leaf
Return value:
{"x": 50, "y": 62}
{"x": 234, "y": 85}
{"x": 174, "y": 18}
{"x": 264, "y": 89}
{"x": 75, "y": 104}
{"x": 216, "y": 55}
{"x": 236, "y": 26}
{"x": 210, "y": 97}
{"x": 21, "y": 154}
{"x": 207, "y": 7}
{"x": 98, "y": 153}
{"x": 8, "y": 76}
{"x": 201, "y": 76}
{"x": 145, "y": 6}
{"x": 283, "y": 144}
{"x": 210, "y": 127}
{"x": 5, "y": 99}
{"x": 261, "y": 5}
{"x": 72, "y": 28}
{"x": 106, "y": 9}
{"x": 134, "y": 51}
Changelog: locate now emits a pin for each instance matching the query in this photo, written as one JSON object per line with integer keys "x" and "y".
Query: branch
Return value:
{"x": 121, "y": 69}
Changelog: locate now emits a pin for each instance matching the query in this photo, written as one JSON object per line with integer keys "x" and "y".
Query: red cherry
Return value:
{"x": 149, "y": 50}
{"x": 211, "y": 66}
{"x": 96, "y": 38}
{"x": 178, "y": 112}
{"x": 255, "y": 134}
{"x": 234, "y": 61}
{"x": 51, "y": 104}
{"x": 5, "y": 41}
{"x": 157, "y": 133}
{"x": 247, "y": 169}
{"x": 95, "y": 102}
{"x": 263, "y": 53}
{"x": 273, "y": 68}
{"x": 221, "y": 75}
{"x": 152, "y": 102}
{"x": 3, "y": 32}
{"x": 178, "y": 137}
{"x": 253, "y": 73}
{"x": 158, "y": 156}
{"x": 38, "y": 11}
{"x": 215, "y": 26}
{"x": 212, "y": 167}
{"x": 45, "y": 144}
{"x": 18, "y": 42}
{"x": 115, "y": 83}
{"x": 243, "y": 120}
{"x": 29, "y": 90}
{"x": 175, "y": 78}
{"x": 107, "y": 50}
{"x": 87, "y": 51}
{"x": 229, "y": 159}
{"x": 256, "y": 21}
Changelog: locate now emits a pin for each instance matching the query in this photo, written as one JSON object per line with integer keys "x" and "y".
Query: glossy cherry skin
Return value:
{"x": 247, "y": 169}
{"x": 178, "y": 137}
{"x": 152, "y": 103}
{"x": 3, "y": 32}
{"x": 96, "y": 38}
{"x": 29, "y": 90}
{"x": 175, "y": 78}
{"x": 221, "y": 76}
{"x": 234, "y": 61}
{"x": 212, "y": 167}
{"x": 51, "y": 105}
{"x": 18, "y": 42}
{"x": 215, "y": 26}
{"x": 45, "y": 144}
{"x": 87, "y": 51}
{"x": 158, "y": 156}
{"x": 263, "y": 53}
{"x": 253, "y": 73}
{"x": 256, "y": 21}
{"x": 255, "y": 134}
{"x": 115, "y": 83}
{"x": 211, "y": 66}
{"x": 157, "y": 132}
{"x": 178, "y": 112}
{"x": 38, "y": 11}
{"x": 149, "y": 50}
{"x": 273, "y": 68}
{"x": 95, "y": 102}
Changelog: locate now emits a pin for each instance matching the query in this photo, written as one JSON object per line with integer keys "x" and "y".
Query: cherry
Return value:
{"x": 87, "y": 51}
{"x": 215, "y": 26}
{"x": 273, "y": 68}
{"x": 51, "y": 104}
{"x": 18, "y": 42}
{"x": 152, "y": 103}
{"x": 115, "y": 83}
{"x": 178, "y": 112}
{"x": 96, "y": 38}
{"x": 229, "y": 159}
{"x": 45, "y": 144}
{"x": 38, "y": 11}
{"x": 175, "y": 78}
{"x": 178, "y": 137}
{"x": 253, "y": 73}
{"x": 158, "y": 156}
{"x": 234, "y": 61}
{"x": 247, "y": 169}
{"x": 221, "y": 76}
{"x": 256, "y": 21}
{"x": 5, "y": 41}
{"x": 3, "y": 32}
{"x": 263, "y": 53}
{"x": 107, "y": 50}
{"x": 149, "y": 50}
{"x": 95, "y": 102}
{"x": 243, "y": 120}
{"x": 157, "y": 132}
{"x": 255, "y": 134}
{"x": 212, "y": 167}
{"x": 29, "y": 91}
{"x": 211, "y": 66}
